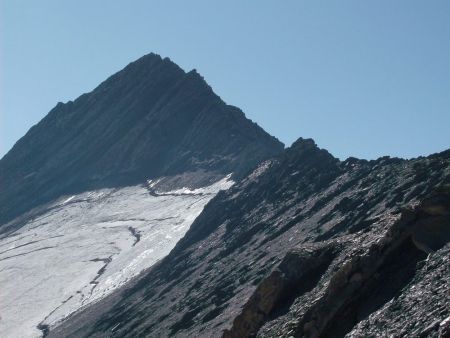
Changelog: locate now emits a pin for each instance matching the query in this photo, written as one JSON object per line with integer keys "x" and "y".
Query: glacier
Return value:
{"x": 76, "y": 250}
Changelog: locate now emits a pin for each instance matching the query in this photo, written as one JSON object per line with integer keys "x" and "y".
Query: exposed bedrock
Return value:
{"x": 298, "y": 272}
{"x": 357, "y": 281}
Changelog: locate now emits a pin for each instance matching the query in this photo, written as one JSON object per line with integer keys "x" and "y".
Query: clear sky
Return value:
{"x": 363, "y": 78}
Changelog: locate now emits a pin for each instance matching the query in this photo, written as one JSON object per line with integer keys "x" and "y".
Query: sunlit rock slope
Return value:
{"x": 305, "y": 246}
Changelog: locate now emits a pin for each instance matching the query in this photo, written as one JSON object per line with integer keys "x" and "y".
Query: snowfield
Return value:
{"x": 82, "y": 247}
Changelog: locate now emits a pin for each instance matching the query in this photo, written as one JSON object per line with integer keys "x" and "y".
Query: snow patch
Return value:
{"x": 77, "y": 253}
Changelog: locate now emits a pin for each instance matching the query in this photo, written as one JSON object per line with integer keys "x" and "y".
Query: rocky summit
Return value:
{"x": 304, "y": 246}
{"x": 150, "y": 208}
{"x": 150, "y": 119}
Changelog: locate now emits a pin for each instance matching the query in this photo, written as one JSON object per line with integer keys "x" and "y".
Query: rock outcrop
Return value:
{"x": 369, "y": 272}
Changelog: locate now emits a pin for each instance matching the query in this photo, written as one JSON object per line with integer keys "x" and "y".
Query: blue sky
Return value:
{"x": 363, "y": 78}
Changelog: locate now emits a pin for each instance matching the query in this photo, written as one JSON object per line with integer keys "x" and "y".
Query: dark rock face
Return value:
{"x": 305, "y": 246}
{"x": 148, "y": 120}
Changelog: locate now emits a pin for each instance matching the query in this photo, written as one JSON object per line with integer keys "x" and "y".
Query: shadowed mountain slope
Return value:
{"x": 148, "y": 120}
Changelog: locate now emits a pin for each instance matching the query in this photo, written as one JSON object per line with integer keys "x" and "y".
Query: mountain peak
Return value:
{"x": 304, "y": 143}
{"x": 303, "y": 150}
{"x": 148, "y": 120}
